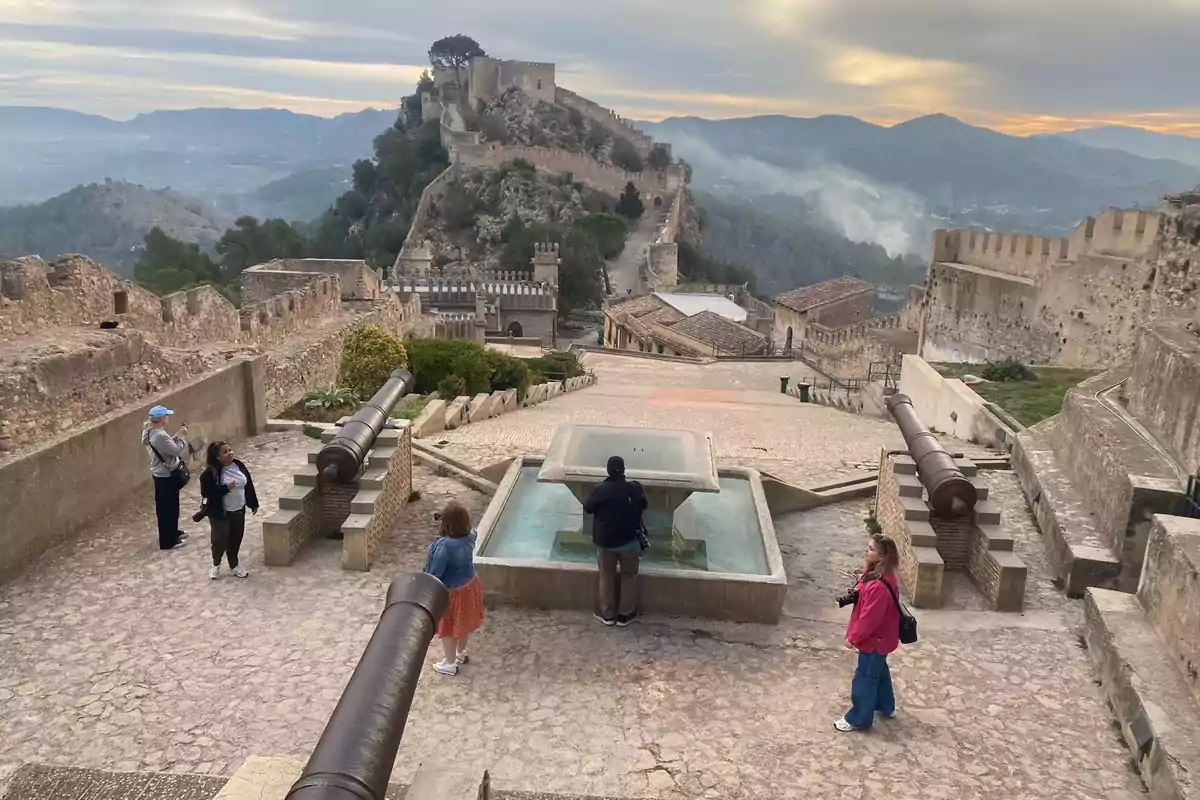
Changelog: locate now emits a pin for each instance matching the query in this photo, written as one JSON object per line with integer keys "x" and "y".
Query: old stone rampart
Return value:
{"x": 357, "y": 280}
{"x": 600, "y": 176}
{"x": 848, "y": 352}
{"x": 606, "y": 118}
{"x": 1071, "y": 301}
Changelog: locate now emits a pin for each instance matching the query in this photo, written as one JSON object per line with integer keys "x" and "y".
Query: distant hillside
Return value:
{"x": 300, "y": 197}
{"x": 894, "y": 184}
{"x": 107, "y": 221}
{"x": 208, "y": 153}
{"x": 1141, "y": 142}
{"x": 787, "y": 245}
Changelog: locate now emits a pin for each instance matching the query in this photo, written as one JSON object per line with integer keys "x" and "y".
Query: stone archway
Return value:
{"x": 657, "y": 202}
{"x": 515, "y": 330}
{"x": 788, "y": 344}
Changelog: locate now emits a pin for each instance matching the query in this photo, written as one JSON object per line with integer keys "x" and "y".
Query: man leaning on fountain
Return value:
{"x": 617, "y": 505}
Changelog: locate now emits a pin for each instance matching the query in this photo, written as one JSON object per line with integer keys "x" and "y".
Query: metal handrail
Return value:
{"x": 354, "y": 757}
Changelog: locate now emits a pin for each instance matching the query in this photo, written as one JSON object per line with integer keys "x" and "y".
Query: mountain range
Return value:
{"x": 893, "y": 185}
{"x": 786, "y": 189}
{"x": 215, "y": 154}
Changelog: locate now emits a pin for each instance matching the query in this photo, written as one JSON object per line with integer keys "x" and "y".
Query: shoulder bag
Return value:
{"x": 908, "y": 623}
{"x": 181, "y": 474}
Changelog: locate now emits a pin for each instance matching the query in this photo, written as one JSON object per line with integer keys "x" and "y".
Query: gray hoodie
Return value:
{"x": 171, "y": 448}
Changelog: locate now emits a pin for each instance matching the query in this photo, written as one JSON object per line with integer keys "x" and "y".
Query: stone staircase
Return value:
{"x": 1094, "y": 483}
{"x": 1146, "y": 647}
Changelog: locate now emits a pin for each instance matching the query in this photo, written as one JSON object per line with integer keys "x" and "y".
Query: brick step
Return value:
{"x": 372, "y": 477}
{"x": 915, "y": 509}
{"x": 37, "y": 782}
{"x": 355, "y": 524}
{"x": 364, "y": 501}
{"x": 381, "y": 456}
{"x": 1079, "y": 555}
{"x": 293, "y": 499}
{"x": 911, "y": 486}
{"x": 306, "y": 475}
{"x": 997, "y": 538}
{"x": 987, "y": 513}
{"x": 1159, "y": 715}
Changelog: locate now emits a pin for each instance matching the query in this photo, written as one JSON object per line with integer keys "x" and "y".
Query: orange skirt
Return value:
{"x": 465, "y": 613}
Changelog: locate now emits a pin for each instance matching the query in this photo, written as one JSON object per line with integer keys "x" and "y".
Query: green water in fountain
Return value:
{"x": 713, "y": 532}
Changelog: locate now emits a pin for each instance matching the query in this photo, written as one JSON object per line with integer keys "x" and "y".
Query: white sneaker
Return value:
{"x": 843, "y": 727}
{"x": 445, "y": 667}
{"x": 240, "y": 572}
{"x": 214, "y": 573}
{"x": 462, "y": 658}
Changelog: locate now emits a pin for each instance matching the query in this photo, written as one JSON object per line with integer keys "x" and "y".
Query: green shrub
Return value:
{"x": 410, "y": 407}
{"x": 1007, "y": 370}
{"x": 507, "y": 372}
{"x": 451, "y": 386}
{"x": 330, "y": 398}
{"x": 369, "y": 355}
{"x": 555, "y": 366}
{"x": 433, "y": 360}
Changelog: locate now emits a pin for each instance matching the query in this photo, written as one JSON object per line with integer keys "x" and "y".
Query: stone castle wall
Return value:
{"x": 598, "y": 175}
{"x": 610, "y": 120}
{"x": 490, "y": 77}
{"x": 1072, "y": 301}
{"x": 357, "y": 280}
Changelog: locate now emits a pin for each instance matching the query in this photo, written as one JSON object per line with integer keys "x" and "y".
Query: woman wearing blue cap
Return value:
{"x": 170, "y": 474}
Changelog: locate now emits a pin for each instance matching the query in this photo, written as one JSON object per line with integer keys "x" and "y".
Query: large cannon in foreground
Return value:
{"x": 341, "y": 459}
{"x": 949, "y": 490}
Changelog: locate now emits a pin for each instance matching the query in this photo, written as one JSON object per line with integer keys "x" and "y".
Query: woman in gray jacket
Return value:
{"x": 166, "y": 456}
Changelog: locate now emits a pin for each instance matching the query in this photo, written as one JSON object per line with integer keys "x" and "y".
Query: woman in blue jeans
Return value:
{"x": 874, "y": 631}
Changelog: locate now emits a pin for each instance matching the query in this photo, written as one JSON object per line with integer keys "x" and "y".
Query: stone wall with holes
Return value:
{"x": 1072, "y": 301}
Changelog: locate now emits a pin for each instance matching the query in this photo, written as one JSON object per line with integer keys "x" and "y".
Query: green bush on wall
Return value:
{"x": 369, "y": 355}
{"x": 434, "y": 360}
{"x": 508, "y": 372}
{"x": 557, "y": 366}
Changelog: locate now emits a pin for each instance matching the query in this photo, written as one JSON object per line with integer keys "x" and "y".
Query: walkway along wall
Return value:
{"x": 56, "y": 492}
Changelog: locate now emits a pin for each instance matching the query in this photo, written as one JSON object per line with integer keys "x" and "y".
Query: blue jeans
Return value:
{"x": 870, "y": 691}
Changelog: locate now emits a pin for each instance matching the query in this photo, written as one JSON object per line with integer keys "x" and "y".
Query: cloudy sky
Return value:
{"x": 1018, "y": 65}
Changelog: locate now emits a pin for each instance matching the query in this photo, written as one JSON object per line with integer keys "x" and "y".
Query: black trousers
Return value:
{"x": 227, "y": 533}
{"x": 166, "y": 509}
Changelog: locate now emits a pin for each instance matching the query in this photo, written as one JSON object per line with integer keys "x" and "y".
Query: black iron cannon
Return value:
{"x": 341, "y": 459}
{"x": 354, "y": 757}
{"x": 949, "y": 490}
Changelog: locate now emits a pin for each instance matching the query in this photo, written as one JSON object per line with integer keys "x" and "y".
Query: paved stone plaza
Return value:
{"x": 116, "y": 656}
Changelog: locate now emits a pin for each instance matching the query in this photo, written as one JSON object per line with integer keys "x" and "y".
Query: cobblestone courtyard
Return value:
{"x": 114, "y": 655}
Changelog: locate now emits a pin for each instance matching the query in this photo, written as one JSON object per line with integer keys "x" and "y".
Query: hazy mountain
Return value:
{"x": 300, "y": 197}
{"x": 1139, "y": 141}
{"x": 107, "y": 221}
{"x": 893, "y": 185}
{"x": 209, "y": 153}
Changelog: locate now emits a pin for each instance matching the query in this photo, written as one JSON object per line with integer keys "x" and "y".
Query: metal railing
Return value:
{"x": 354, "y": 757}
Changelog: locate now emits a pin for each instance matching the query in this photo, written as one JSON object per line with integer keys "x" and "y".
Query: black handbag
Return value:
{"x": 908, "y": 623}
{"x": 181, "y": 474}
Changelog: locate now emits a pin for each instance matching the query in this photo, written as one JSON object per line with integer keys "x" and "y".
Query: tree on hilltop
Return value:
{"x": 168, "y": 265}
{"x": 630, "y": 204}
{"x": 452, "y": 52}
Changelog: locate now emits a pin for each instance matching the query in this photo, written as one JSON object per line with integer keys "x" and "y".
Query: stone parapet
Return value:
{"x": 1170, "y": 592}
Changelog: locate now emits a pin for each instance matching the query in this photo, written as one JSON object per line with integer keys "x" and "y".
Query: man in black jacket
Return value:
{"x": 617, "y": 506}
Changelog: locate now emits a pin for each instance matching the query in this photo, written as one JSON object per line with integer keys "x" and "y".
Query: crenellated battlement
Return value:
{"x": 1116, "y": 233}
{"x": 819, "y": 334}
{"x": 606, "y": 118}
{"x": 281, "y": 315}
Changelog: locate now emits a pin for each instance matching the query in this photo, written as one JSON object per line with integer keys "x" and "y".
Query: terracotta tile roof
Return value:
{"x": 726, "y": 335}
{"x": 807, "y": 297}
{"x": 638, "y": 306}
{"x": 663, "y": 316}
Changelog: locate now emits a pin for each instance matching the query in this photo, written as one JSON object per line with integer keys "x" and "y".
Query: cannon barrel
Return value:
{"x": 354, "y": 757}
{"x": 341, "y": 459}
{"x": 949, "y": 490}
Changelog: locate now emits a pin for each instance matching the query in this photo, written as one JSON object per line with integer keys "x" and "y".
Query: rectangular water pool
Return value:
{"x": 719, "y": 560}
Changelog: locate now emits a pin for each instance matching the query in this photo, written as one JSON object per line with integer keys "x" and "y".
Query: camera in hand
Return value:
{"x": 848, "y": 599}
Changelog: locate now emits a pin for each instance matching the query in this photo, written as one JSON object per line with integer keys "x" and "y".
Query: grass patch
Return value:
{"x": 1029, "y": 402}
{"x": 410, "y": 407}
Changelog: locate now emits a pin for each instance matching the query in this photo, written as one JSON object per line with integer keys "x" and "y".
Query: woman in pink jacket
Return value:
{"x": 874, "y": 631}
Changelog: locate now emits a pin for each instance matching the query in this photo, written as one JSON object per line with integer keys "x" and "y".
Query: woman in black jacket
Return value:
{"x": 228, "y": 491}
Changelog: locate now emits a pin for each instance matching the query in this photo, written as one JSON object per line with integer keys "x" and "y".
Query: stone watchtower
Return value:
{"x": 545, "y": 263}
{"x": 414, "y": 262}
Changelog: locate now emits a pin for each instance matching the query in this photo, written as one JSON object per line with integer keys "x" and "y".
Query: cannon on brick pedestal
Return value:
{"x": 950, "y": 493}
{"x": 341, "y": 459}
